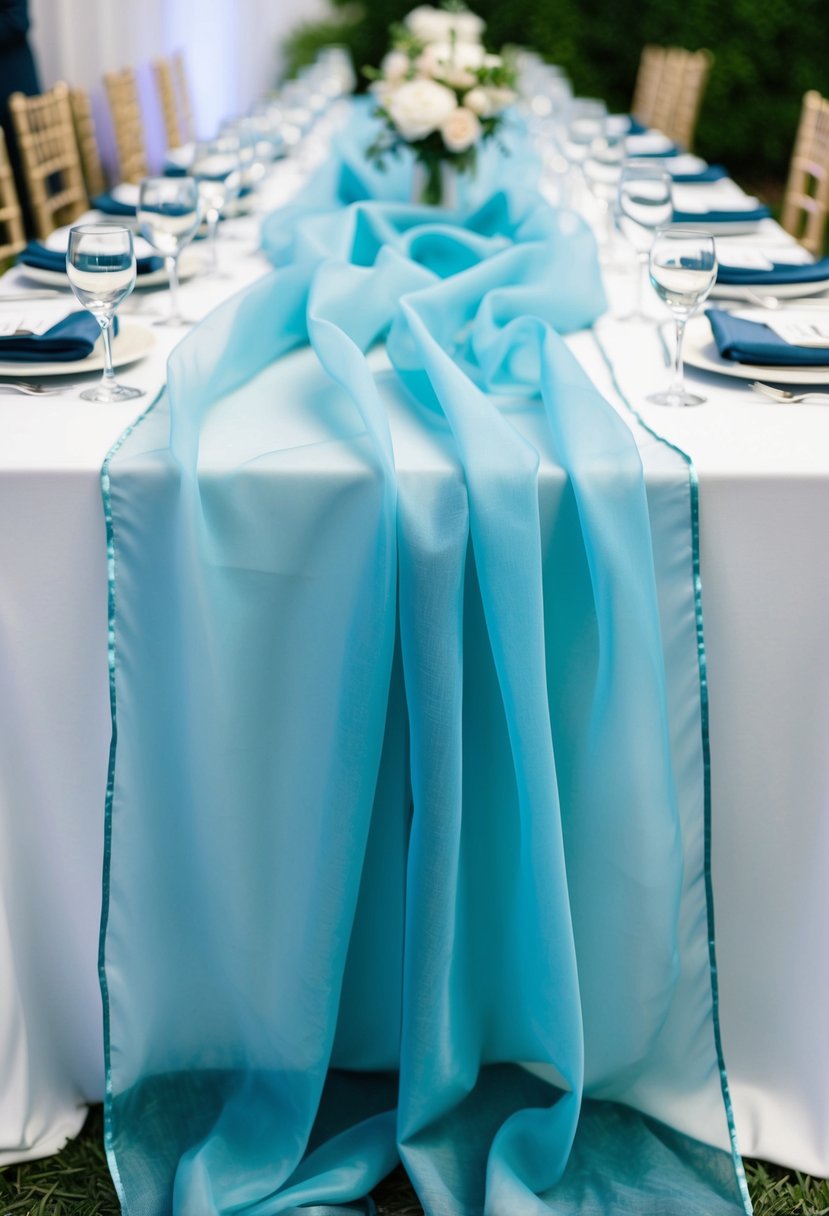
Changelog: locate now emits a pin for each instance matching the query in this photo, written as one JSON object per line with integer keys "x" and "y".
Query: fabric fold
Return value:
{"x": 394, "y": 754}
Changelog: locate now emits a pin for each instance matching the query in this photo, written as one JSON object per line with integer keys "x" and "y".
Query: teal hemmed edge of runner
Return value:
{"x": 693, "y": 484}
{"x": 110, "y": 789}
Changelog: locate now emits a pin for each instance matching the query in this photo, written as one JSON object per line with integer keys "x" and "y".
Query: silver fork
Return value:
{"x": 782, "y": 394}
{"x": 28, "y": 388}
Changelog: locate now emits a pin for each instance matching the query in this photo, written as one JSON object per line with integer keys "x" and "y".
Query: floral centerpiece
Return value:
{"x": 439, "y": 92}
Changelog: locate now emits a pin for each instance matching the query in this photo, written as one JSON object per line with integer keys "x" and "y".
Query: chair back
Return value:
{"x": 183, "y": 94}
{"x": 166, "y": 88}
{"x": 670, "y": 89}
{"x": 695, "y": 72}
{"x": 128, "y": 124}
{"x": 12, "y": 236}
{"x": 93, "y": 174}
{"x": 49, "y": 157}
{"x": 806, "y": 202}
{"x": 646, "y": 90}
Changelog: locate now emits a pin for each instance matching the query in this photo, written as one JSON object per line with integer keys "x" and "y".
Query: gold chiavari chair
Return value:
{"x": 12, "y": 237}
{"x": 93, "y": 173}
{"x": 185, "y": 105}
{"x": 806, "y": 202}
{"x": 670, "y": 89}
{"x": 128, "y": 124}
{"x": 165, "y": 85}
{"x": 49, "y": 157}
{"x": 695, "y": 72}
{"x": 646, "y": 90}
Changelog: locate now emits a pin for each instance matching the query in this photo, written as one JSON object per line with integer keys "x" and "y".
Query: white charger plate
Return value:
{"x": 783, "y": 291}
{"x": 700, "y": 351}
{"x": 189, "y": 265}
{"x": 132, "y": 343}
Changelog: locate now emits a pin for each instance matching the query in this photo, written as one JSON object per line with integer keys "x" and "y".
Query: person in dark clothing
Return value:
{"x": 18, "y": 73}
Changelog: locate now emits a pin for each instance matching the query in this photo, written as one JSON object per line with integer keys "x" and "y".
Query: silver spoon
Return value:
{"x": 782, "y": 394}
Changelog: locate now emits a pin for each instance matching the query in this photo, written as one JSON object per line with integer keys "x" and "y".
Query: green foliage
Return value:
{"x": 767, "y": 54}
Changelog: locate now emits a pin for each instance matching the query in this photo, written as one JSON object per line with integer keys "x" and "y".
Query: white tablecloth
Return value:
{"x": 764, "y": 492}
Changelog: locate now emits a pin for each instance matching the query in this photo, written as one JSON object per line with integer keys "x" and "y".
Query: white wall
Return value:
{"x": 231, "y": 48}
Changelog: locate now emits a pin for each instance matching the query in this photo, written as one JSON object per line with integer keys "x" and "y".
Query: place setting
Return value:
{"x": 100, "y": 267}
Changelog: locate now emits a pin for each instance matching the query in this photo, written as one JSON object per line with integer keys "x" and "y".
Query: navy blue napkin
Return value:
{"x": 112, "y": 206}
{"x": 71, "y": 339}
{"x": 714, "y": 173}
{"x": 752, "y": 342}
{"x": 40, "y": 258}
{"x": 781, "y": 272}
{"x": 171, "y": 169}
{"x": 635, "y": 126}
{"x": 722, "y": 217}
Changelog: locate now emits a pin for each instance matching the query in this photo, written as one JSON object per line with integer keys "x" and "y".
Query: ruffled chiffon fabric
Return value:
{"x": 406, "y": 821}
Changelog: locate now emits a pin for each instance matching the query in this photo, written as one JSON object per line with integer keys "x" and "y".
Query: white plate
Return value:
{"x": 189, "y": 265}
{"x": 700, "y": 350}
{"x": 726, "y": 228}
{"x": 132, "y": 343}
{"x": 784, "y": 291}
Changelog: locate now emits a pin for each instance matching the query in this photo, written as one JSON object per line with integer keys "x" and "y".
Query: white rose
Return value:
{"x": 454, "y": 64}
{"x": 460, "y": 129}
{"x": 477, "y": 101}
{"x": 418, "y": 107}
{"x": 468, "y": 27}
{"x": 429, "y": 24}
{"x": 395, "y": 66}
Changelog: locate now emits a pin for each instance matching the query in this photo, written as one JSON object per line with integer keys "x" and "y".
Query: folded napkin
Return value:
{"x": 725, "y": 216}
{"x": 713, "y": 173}
{"x": 111, "y": 205}
{"x": 71, "y": 339}
{"x": 635, "y": 127}
{"x": 752, "y": 342}
{"x": 171, "y": 169}
{"x": 781, "y": 272}
{"x": 40, "y": 258}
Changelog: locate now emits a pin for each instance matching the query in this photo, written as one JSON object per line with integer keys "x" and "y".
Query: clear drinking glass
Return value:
{"x": 602, "y": 168}
{"x": 169, "y": 215}
{"x": 100, "y": 266}
{"x": 683, "y": 269}
{"x": 217, "y": 169}
{"x": 643, "y": 204}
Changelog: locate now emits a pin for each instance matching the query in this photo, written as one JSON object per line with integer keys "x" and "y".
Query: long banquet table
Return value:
{"x": 763, "y": 494}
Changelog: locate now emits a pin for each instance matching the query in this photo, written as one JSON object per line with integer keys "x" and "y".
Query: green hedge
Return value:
{"x": 767, "y": 54}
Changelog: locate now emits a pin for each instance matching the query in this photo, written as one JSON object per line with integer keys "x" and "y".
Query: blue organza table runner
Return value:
{"x": 406, "y": 826}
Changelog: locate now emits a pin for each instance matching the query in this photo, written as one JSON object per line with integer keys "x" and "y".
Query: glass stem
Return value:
{"x": 171, "y": 262}
{"x": 641, "y": 270}
{"x": 213, "y": 239}
{"x": 677, "y": 388}
{"x": 108, "y": 378}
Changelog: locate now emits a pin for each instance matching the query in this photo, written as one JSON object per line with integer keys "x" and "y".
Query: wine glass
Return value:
{"x": 602, "y": 170}
{"x": 100, "y": 266}
{"x": 169, "y": 215}
{"x": 643, "y": 204}
{"x": 217, "y": 170}
{"x": 683, "y": 269}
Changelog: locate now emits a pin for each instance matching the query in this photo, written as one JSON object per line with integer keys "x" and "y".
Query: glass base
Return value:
{"x": 179, "y": 321}
{"x": 110, "y": 393}
{"x": 672, "y": 397}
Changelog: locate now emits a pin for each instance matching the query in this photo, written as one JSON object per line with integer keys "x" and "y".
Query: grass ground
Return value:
{"x": 76, "y": 1183}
